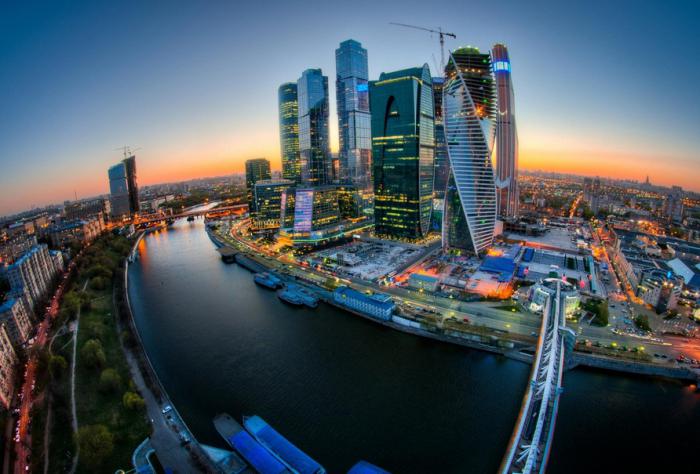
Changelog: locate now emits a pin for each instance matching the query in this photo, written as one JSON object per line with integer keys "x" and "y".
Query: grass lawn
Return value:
{"x": 128, "y": 427}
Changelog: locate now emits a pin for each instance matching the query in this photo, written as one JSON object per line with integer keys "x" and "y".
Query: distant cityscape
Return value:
{"x": 422, "y": 222}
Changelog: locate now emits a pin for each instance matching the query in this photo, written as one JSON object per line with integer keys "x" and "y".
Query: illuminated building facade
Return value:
{"x": 268, "y": 203}
{"x": 403, "y": 147}
{"x": 469, "y": 108}
{"x": 118, "y": 191}
{"x": 442, "y": 164}
{"x": 256, "y": 170}
{"x": 315, "y": 217}
{"x": 289, "y": 131}
{"x": 354, "y": 125}
{"x": 507, "y": 194}
{"x": 314, "y": 146}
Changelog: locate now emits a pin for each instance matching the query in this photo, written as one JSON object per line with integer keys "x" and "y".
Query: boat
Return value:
{"x": 267, "y": 280}
{"x": 257, "y": 455}
{"x": 291, "y": 456}
{"x": 307, "y": 297}
{"x": 290, "y": 297}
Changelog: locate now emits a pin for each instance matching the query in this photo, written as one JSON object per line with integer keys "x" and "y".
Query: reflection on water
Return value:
{"x": 345, "y": 389}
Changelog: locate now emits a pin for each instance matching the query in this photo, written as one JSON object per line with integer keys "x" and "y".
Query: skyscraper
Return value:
{"x": 289, "y": 131}
{"x": 469, "y": 112}
{"x": 118, "y": 190}
{"x": 314, "y": 147}
{"x": 507, "y": 195}
{"x": 354, "y": 126}
{"x": 132, "y": 185}
{"x": 255, "y": 170}
{"x": 442, "y": 165}
{"x": 403, "y": 146}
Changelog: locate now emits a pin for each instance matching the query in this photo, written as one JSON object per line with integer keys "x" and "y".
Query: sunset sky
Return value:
{"x": 600, "y": 89}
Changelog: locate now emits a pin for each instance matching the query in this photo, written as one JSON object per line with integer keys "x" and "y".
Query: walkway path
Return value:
{"x": 74, "y": 412}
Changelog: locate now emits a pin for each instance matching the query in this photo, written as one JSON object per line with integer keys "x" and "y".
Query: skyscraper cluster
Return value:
{"x": 409, "y": 144}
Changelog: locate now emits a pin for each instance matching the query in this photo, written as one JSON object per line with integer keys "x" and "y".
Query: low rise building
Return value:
{"x": 378, "y": 305}
{"x": 423, "y": 282}
{"x": 542, "y": 291}
{"x": 83, "y": 231}
{"x": 268, "y": 197}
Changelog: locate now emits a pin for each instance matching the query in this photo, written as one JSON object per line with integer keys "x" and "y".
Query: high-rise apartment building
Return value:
{"x": 32, "y": 273}
{"x": 354, "y": 123}
{"x": 119, "y": 191}
{"x": 289, "y": 131}
{"x": 8, "y": 362}
{"x": 673, "y": 205}
{"x": 469, "y": 108}
{"x": 16, "y": 318}
{"x": 403, "y": 147}
{"x": 314, "y": 146}
{"x": 507, "y": 194}
{"x": 255, "y": 170}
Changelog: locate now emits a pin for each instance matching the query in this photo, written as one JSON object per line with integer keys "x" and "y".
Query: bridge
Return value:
{"x": 530, "y": 443}
{"x": 215, "y": 212}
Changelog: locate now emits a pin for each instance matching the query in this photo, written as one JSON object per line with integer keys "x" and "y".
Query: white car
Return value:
{"x": 167, "y": 409}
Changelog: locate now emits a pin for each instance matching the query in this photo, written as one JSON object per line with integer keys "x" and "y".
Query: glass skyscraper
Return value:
{"x": 256, "y": 170}
{"x": 442, "y": 166}
{"x": 403, "y": 147}
{"x": 506, "y": 136}
{"x": 469, "y": 110}
{"x": 314, "y": 146}
{"x": 289, "y": 131}
{"x": 354, "y": 127}
{"x": 130, "y": 164}
{"x": 118, "y": 190}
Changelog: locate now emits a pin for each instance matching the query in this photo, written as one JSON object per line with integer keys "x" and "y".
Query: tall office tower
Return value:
{"x": 469, "y": 110}
{"x": 354, "y": 126}
{"x": 255, "y": 170}
{"x": 133, "y": 188}
{"x": 314, "y": 146}
{"x": 442, "y": 165}
{"x": 118, "y": 191}
{"x": 507, "y": 195}
{"x": 403, "y": 147}
{"x": 289, "y": 131}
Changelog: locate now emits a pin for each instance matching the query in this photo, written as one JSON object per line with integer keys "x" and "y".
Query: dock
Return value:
{"x": 228, "y": 255}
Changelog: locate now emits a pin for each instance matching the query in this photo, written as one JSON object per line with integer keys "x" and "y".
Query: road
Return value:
{"x": 487, "y": 313}
{"x": 23, "y": 437}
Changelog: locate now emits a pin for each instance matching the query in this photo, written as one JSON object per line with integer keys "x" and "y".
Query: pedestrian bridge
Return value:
{"x": 529, "y": 445}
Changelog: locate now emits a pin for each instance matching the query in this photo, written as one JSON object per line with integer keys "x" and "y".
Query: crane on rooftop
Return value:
{"x": 127, "y": 151}
{"x": 440, "y": 33}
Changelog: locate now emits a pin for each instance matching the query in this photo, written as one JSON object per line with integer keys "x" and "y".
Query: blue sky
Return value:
{"x": 600, "y": 88}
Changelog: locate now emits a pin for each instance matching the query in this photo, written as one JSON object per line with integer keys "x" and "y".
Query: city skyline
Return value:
{"x": 606, "y": 128}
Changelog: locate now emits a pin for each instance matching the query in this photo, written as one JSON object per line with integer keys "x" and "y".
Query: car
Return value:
{"x": 166, "y": 409}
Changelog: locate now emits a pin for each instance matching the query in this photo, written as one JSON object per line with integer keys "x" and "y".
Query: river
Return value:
{"x": 343, "y": 388}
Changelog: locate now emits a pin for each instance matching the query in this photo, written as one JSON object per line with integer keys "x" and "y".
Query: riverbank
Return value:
{"x": 501, "y": 344}
{"x": 168, "y": 429}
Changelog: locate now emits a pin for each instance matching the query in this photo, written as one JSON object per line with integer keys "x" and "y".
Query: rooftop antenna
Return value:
{"x": 439, "y": 31}
{"x": 127, "y": 151}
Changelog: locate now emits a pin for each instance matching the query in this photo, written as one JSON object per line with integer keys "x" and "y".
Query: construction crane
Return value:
{"x": 441, "y": 34}
{"x": 127, "y": 150}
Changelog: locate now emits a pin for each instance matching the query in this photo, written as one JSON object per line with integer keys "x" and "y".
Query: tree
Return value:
{"x": 642, "y": 322}
{"x": 93, "y": 354}
{"x": 96, "y": 443}
{"x": 110, "y": 381}
{"x": 133, "y": 401}
{"x": 57, "y": 364}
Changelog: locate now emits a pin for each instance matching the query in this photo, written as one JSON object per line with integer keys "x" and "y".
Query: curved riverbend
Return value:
{"x": 343, "y": 388}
